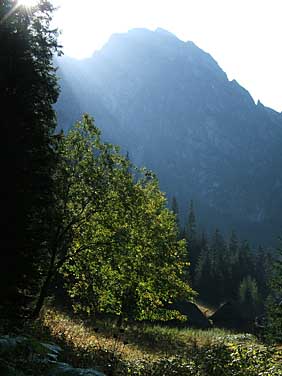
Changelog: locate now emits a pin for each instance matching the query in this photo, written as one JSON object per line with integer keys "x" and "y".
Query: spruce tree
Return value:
{"x": 192, "y": 241}
{"x": 249, "y": 298}
{"x": 28, "y": 89}
{"x": 233, "y": 245}
{"x": 219, "y": 266}
{"x": 191, "y": 224}
{"x": 233, "y": 281}
{"x": 204, "y": 279}
{"x": 246, "y": 261}
{"x": 274, "y": 306}
{"x": 175, "y": 210}
{"x": 263, "y": 265}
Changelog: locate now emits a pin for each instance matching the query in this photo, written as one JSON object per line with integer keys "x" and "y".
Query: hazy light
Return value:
{"x": 28, "y": 3}
{"x": 244, "y": 36}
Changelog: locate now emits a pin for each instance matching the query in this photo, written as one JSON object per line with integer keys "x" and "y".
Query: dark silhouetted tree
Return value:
{"x": 193, "y": 244}
{"x": 28, "y": 90}
{"x": 175, "y": 209}
{"x": 274, "y": 306}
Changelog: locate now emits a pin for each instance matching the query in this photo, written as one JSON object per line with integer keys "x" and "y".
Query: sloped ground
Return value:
{"x": 142, "y": 349}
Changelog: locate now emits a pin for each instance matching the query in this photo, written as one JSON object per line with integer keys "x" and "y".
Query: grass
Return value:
{"x": 143, "y": 349}
{"x": 134, "y": 341}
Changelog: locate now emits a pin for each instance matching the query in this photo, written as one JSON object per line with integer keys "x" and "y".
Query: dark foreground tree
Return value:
{"x": 28, "y": 89}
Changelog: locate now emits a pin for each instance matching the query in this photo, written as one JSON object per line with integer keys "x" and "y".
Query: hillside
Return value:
{"x": 99, "y": 348}
{"x": 170, "y": 105}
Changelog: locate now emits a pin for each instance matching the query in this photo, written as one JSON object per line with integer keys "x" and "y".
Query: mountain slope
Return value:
{"x": 173, "y": 108}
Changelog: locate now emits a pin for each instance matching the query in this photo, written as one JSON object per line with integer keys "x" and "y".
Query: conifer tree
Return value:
{"x": 191, "y": 229}
{"x": 219, "y": 266}
{"x": 233, "y": 281}
{"x": 245, "y": 260}
{"x": 28, "y": 90}
{"x": 175, "y": 210}
{"x": 192, "y": 241}
{"x": 249, "y": 297}
{"x": 204, "y": 279}
{"x": 233, "y": 245}
{"x": 274, "y": 304}
{"x": 263, "y": 265}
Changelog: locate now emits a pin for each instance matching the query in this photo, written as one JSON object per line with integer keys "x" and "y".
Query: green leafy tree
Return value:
{"x": 126, "y": 258}
{"x": 28, "y": 90}
{"x": 83, "y": 178}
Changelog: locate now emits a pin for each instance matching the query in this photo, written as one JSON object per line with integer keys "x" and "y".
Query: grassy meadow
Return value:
{"x": 145, "y": 349}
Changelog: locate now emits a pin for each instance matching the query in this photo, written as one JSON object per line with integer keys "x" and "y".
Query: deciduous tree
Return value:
{"x": 124, "y": 256}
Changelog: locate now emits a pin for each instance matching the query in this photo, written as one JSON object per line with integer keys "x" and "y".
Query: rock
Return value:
{"x": 170, "y": 105}
{"x": 42, "y": 353}
{"x": 64, "y": 369}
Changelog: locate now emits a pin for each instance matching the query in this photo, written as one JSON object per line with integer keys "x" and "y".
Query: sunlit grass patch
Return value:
{"x": 145, "y": 349}
{"x": 135, "y": 340}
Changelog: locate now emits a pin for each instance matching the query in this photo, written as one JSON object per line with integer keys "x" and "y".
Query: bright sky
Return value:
{"x": 244, "y": 36}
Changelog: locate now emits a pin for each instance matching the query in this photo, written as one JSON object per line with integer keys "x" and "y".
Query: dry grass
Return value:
{"x": 136, "y": 341}
{"x": 80, "y": 336}
{"x": 121, "y": 352}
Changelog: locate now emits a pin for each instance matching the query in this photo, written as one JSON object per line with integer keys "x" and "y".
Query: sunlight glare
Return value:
{"x": 28, "y": 3}
{"x": 211, "y": 25}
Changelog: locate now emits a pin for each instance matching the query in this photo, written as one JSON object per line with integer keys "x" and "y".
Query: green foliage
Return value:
{"x": 124, "y": 256}
{"x": 214, "y": 360}
{"x": 248, "y": 291}
{"x": 158, "y": 350}
{"x": 249, "y": 300}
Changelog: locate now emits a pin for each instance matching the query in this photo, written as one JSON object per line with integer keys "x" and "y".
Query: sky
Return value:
{"x": 243, "y": 36}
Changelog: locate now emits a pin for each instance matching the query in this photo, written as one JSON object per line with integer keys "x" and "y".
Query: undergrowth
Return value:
{"x": 143, "y": 349}
{"x": 146, "y": 350}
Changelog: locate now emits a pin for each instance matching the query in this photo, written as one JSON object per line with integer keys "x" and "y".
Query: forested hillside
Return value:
{"x": 170, "y": 105}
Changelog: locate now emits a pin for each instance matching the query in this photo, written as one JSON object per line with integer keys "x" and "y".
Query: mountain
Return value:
{"x": 170, "y": 105}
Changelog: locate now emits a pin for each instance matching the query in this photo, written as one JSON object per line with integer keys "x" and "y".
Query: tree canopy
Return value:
{"x": 124, "y": 256}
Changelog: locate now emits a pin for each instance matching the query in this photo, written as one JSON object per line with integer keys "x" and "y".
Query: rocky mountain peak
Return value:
{"x": 173, "y": 108}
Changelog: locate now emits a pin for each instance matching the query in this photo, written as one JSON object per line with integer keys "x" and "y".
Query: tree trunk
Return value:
{"x": 42, "y": 295}
{"x": 45, "y": 287}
